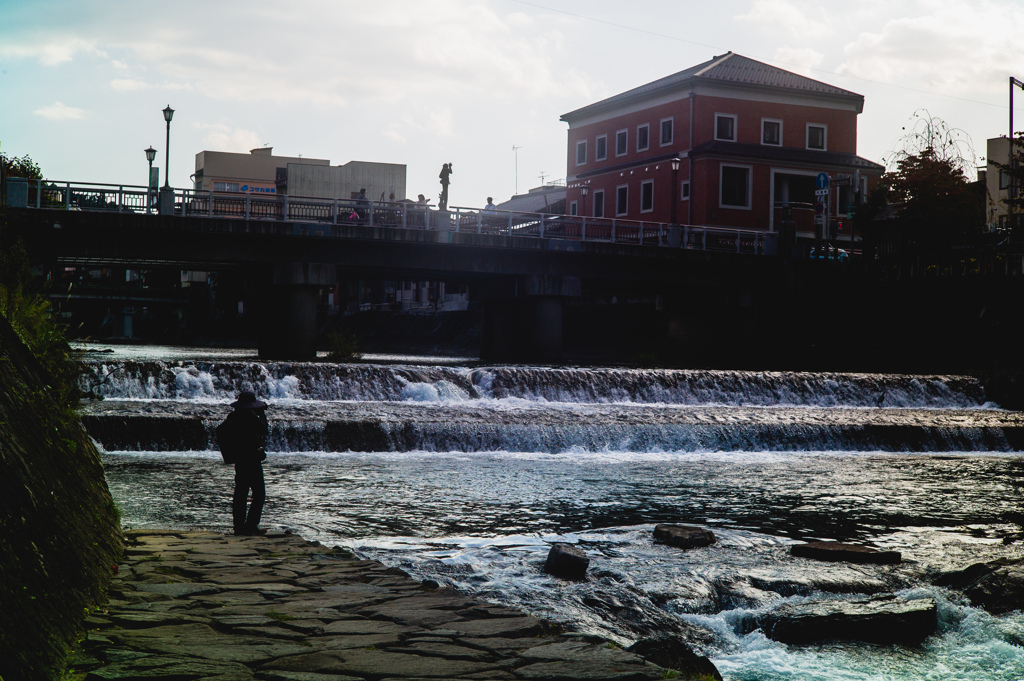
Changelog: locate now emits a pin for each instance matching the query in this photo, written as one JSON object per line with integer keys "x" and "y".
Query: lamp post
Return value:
{"x": 168, "y": 115}
{"x": 584, "y": 190}
{"x": 150, "y": 155}
{"x": 675, "y": 163}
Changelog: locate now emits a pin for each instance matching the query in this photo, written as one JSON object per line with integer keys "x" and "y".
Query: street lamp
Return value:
{"x": 675, "y": 163}
{"x": 584, "y": 190}
{"x": 168, "y": 115}
{"x": 150, "y": 155}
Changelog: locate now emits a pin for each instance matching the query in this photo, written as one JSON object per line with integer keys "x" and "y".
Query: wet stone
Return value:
{"x": 850, "y": 553}
{"x": 877, "y": 619}
{"x": 684, "y": 536}
{"x": 566, "y": 561}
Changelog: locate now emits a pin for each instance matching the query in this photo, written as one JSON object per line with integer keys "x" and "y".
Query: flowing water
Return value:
{"x": 465, "y": 475}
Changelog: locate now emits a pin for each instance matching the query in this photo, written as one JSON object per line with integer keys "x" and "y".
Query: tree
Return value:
{"x": 926, "y": 202}
{"x": 11, "y": 166}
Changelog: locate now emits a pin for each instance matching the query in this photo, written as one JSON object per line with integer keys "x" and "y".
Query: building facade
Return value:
{"x": 254, "y": 173}
{"x": 726, "y": 143}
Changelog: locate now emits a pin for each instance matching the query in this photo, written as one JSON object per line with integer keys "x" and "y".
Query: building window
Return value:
{"x": 1004, "y": 180}
{"x": 573, "y": 208}
{"x": 817, "y": 137}
{"x": 771, "y": 132}
{"x": 647, "y": 196}
{"x": 599, "y": 203}
{"x": 725, "y": 127}
{"x": 621, "y": 200}
{"x": 621, "y": 142}
{"x": 601, "y": 148}
{"x": 643, "y": 137}
{"x": 734, "y": 186}
{"x": 684, "y": 191}
{"x": 225, "y": 186}
{"x": 667, "y": 125}
{"x": 581, "y": 152}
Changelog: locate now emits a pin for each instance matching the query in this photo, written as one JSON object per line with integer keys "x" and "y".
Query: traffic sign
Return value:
{"x": 843, "y": 180}
{"x": 819, "y": 208}
{"x": 821, "y": 192}
{"x": 819, "y": 219}
{"x": 821, "y": 181}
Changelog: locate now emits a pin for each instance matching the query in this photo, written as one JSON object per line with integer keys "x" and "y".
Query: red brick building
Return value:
{"x": 749, "y": 138}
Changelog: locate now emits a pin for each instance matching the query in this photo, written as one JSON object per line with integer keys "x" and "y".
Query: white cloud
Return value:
{"x": 51, "y": 52}
{"x": 128, "y": 85}
{"x": 801, "y": 20}
{"x": 60, "y": 112}
{"x": 802, "y": 60}
{"x": 952, "y": 48}
{"x": 228, "y": 138}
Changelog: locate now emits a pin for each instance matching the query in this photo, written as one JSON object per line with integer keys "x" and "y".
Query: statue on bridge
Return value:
{"x": 446, "y": 171}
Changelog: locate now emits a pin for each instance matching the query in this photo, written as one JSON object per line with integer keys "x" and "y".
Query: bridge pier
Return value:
{"x": 523, "y": 322}
{"x": 288, "y": 320}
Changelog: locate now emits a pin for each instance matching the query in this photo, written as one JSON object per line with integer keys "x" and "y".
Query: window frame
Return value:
{"x": 574, "y": 208}
{"x": 671, "y": 120}
{"x": 824, "y": 137}
{"x": 735, "y": 127}
{"x": 581, "y": 143}
{"x": 684, "y": 190}
{"x": 643, "y": 185}
{"x": 765, "y": 121}
{"x": 625, "y": 142}
{"x": 647, "y": 128}
{"x": 598, "y": 156}
{"x": 721, "y": 186}
{"x": 621, "y": 206}
{"x": 593, "y": 205}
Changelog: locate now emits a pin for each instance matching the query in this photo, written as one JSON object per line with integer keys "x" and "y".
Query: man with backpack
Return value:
{"x": 242, "y": 438}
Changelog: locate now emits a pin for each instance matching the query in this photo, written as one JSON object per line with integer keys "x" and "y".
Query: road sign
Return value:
{"x": 842, "y": 180}
{"x": 819, "y": 219}
{"x": 821, "y": 192}
{"x": 819, "y": 208}
{"x": 821, "y": 181}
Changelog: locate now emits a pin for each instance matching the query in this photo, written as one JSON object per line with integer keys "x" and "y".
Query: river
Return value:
{"x": 465, "y": 474}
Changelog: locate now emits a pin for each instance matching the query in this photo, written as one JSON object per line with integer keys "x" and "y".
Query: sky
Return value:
{"x": 478, "y": 83}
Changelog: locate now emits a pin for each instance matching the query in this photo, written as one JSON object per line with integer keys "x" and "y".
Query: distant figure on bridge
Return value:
{"x": 363, "y": 205}
{"x": 446, "y": 171}
{"x": 242, "y": 438}
{"x": 490, "y": 207}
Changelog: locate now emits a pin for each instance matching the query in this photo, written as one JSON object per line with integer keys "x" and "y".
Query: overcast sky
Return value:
{"x": 424, "y": 82}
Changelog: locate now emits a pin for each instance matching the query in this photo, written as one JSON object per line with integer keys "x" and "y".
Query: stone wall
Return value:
{"x": 60, "y": 536}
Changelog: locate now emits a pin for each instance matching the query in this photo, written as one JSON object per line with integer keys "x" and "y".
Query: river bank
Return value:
{"x": 193, "y": 605}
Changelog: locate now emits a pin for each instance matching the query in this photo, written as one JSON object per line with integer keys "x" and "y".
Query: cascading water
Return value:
{"x": 465, "y": 475}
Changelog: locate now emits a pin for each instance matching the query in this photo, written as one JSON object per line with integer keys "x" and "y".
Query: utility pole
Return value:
{"x": 515, "y": 150}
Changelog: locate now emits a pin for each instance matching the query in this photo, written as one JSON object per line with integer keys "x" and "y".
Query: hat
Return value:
{"x": 247, "y": 400}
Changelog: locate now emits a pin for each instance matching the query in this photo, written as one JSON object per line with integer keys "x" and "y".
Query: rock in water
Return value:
{"x": 684, "y": 536}
{"x": 877, "y": 619}
{"x": 849, "y": 553}
{"x": 997, "y": 586}
{"x": 567, "y": 561}
{"x": 673, "y": 653}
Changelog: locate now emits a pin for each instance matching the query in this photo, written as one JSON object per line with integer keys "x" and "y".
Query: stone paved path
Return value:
{"x": 201, "y": 606}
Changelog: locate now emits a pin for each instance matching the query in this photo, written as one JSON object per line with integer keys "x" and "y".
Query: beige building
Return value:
{"x": 997, "y": 183}
{"x": 380, "y": 180}
{"x": 260, "y": 172}
{"x": 257, "y": 172}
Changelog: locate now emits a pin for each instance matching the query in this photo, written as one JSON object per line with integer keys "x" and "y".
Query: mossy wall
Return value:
{"x": 59, "y": 531}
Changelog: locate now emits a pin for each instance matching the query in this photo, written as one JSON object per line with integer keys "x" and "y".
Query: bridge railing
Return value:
{"x": 393, "y": 215}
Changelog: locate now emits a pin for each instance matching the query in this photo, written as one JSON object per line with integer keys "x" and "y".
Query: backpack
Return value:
{"x": 240, "y": 437}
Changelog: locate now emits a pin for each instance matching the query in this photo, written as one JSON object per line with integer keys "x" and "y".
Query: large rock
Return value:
{"x": 567, "y": 561}
{"x": 684, "y": 536}
{"x": 849, "y": 553}
{"x": 997, "y": 586}
{"x": 876, "y": 619}
{"x": 672, "y": 652}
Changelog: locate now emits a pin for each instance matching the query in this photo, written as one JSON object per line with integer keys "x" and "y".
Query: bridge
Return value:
{"x": 523, "y": 266}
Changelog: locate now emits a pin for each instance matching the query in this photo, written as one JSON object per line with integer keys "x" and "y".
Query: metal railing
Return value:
{"x": 318, "y": 215}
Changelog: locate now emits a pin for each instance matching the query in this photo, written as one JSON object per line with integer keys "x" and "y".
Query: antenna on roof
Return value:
{"x": 542, "y": 176}
{"x": 515, "y": 150}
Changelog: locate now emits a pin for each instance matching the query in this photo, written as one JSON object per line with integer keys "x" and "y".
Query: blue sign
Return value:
{"x": 822, "y": 181}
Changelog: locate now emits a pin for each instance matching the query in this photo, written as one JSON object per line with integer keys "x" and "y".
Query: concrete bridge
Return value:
{"x": 522, "y": 267}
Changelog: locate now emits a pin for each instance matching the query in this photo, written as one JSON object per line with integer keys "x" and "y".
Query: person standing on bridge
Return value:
{"x": 446, "y": 172}
{"x": 363, "y": 205}
{"x": 245, "y": 435}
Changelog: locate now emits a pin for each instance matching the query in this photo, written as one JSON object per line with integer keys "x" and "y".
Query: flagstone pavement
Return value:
{"x": 202, "y": 606}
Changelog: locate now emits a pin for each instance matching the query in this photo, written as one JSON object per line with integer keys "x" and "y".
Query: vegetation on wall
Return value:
{"x": 59, "y": 529}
